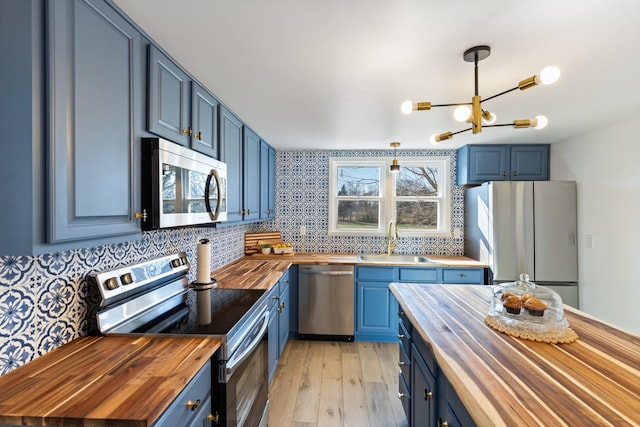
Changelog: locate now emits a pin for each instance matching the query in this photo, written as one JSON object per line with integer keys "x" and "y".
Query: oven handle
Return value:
{"x": 235, "y": 361}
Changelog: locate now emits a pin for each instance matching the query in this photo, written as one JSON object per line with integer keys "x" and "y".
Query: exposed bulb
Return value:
{"x": 462, "y": 113}
{"x": 549, "y": 75}
{"x": 539, "y": 122}
{"x": 433, "y": 140}
{"x": 407, "y": 107}
{"x": 489, "y": 118}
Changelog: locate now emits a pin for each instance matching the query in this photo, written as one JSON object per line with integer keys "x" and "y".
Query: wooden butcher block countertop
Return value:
{"x": 248, "y": 273}
{"x": 506, "y": 381}
{"x": 97, "y": 381}
{"x": 318, "y": 258}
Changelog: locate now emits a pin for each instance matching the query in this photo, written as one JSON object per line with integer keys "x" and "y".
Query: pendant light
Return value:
{"x": 476, "y": 115}
{"x": 395, "y": 167}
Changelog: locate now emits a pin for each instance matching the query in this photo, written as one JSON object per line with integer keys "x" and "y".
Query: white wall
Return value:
{"x": 606, "y": 165}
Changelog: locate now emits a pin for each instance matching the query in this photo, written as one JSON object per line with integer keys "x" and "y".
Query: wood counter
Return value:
{"x": 317, "y": 258}
{"x": 506, "y": 381}
{"x": 102, "y": 381}
{"x": 249, "y": 273}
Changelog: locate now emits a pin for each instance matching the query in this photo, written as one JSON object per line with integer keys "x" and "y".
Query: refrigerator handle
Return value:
{"x": 572, "y": 239}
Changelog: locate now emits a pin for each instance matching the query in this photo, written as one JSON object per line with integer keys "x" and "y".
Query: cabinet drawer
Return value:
{"x": 375, "y": 274}
{"x": 404, "y": 362}
{"x": 198, "y": 389}
{"x": 463, "y": 275}
{"x": 405, "y": 337}
{"x": 420, "y": 275}
{"x": 404, "y": 396}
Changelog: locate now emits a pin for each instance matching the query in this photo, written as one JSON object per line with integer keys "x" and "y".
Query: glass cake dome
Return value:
{"x": 523, "y": 305}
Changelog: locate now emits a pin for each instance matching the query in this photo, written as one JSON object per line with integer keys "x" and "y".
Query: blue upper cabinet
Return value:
{"x": 180, "y": 109}
{"x": 530, "y": 162}
{"x": 169, "y": 88}
{"x": 480, "y": 163}
{"x": 251, "y": 175}
{"x": 95, "y": 92}
{"x": 204, "y": 121}
{"x": 267, "y": 181}
{"x": 230, "y": 131}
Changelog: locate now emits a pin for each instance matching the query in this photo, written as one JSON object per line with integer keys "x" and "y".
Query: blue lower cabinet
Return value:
{"x": 376, "y": 310}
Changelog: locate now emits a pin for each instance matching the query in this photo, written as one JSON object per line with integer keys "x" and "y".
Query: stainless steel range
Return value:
{"x": 153, "y": 297}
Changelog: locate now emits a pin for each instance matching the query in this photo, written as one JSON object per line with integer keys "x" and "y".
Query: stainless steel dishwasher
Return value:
{"x": 326, "y": 302}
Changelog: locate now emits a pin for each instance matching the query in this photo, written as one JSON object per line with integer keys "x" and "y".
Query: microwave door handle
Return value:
{"x": 212, "y": 174}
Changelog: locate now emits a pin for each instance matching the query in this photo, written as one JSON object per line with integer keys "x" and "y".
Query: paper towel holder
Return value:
{"x": 197, "y": 286}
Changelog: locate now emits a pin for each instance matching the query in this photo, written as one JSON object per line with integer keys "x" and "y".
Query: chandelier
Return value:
{"x": 477, "y": 116}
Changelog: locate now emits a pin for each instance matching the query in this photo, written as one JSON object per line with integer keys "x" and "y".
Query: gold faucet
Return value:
{"x": 392, "y": 238}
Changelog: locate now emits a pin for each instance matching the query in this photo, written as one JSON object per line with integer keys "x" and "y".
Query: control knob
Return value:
{"x": 111, "y": 283}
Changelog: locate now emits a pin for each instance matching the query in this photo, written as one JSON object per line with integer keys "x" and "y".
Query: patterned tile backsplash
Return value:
{"x": 44, "y": 298}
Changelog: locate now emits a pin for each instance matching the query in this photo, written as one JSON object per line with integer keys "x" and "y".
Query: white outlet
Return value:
{"x": 588, "y": 241}
{"x": 303, "y": 230}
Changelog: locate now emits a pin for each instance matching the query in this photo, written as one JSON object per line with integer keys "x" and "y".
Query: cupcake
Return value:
{"x": 525, "y": 297}
{"x": 512, "y": 304}
{"x": 505, "y": 296}
{"x": 535, "y": 307}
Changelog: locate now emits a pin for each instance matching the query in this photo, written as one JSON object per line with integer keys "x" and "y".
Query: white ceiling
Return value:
{"x": 331, "y": 74}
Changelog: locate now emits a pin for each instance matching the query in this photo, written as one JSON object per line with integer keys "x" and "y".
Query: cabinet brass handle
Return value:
{"x": 401, "y": 395}
{"x": 193, "y": 405}
{"x": 463, "y": 275}
{"x": 187, "y": 131}
{"x": 401, "y": 363}
{"x": 427, "y": 394}
{"x": 401, "y": 336}
{"x": 142, "y": 215}
{"x": 213, "y": 418}
{"x": 279, "y": 309}
{"x": 514, "y": 173}
{"x": 197, "y": 135}
{"x": 275, "y": 297}
{"x": 400, "y": 313}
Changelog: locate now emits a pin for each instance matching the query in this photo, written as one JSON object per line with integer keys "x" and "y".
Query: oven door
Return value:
{"x": 242, "y": 383}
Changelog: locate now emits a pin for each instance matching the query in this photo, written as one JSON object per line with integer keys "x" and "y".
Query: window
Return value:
{"x": 365, "y": 196}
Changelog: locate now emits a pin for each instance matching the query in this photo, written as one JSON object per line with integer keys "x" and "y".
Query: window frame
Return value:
{"x": 387, "y": 198}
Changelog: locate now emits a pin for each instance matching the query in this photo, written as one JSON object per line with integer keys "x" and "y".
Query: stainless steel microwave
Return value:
{"x": 181, "y": 187}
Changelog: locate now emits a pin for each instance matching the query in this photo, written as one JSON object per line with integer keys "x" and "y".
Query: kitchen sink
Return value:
{"x": 393, "y": 258}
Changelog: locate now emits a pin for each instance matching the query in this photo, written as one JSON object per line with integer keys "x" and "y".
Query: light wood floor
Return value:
{"x": 319, "y": 383}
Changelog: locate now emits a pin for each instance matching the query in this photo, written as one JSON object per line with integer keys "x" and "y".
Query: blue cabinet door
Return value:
{"x": 231, "y": 153}
{"x": 376, "y": 310}
{"x": 272, "y": 335}
{"x": 271, "y": 197}
{"x": 264, "y": 180}
{"x": 251, "y": 175}
{"x": 488, "y": 163}
{"x": 95, "y": 87}
{"x": 283, "y": 320}
{"x": 267, "y": 181}
{"x": 168, "y": 99}
{"x": 204, "y": 121}
{"x": 423, "y": 393}
{"x": 530, "y": 162}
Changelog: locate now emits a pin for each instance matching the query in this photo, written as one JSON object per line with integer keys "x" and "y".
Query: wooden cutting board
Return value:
{"x": 253, "y": 241}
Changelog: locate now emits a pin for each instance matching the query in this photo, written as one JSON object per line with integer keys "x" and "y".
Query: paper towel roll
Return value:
{"x": 204, "y": 261}
{"x": 204, "y": 306}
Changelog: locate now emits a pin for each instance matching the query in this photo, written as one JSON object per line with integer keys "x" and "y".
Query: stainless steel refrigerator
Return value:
{"x": 525, "y": 227}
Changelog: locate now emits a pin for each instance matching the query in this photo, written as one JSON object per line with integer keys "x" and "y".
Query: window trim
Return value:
{"x": 387, "y": 197}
